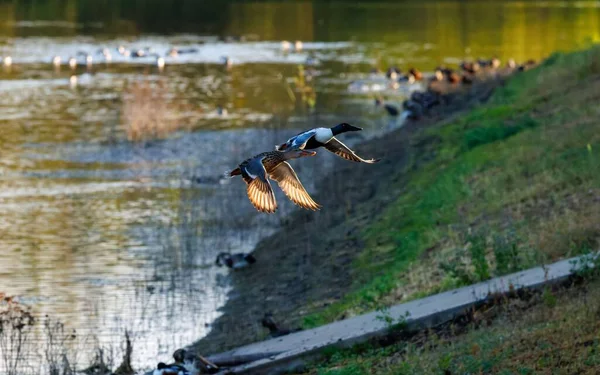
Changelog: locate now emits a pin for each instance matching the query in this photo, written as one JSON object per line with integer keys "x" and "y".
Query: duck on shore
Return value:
{"x": 390, "y": 109}
{"x": 235, "y": 261}
{"x": 325, "y": 137}
{"x": 194, "y": 363}
{"x": 186, "y": 363}
{"x": 257, "y": 170}
{"x": 274, "y": 329}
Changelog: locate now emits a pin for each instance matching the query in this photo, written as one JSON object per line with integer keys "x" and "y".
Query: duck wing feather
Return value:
{"x": 341, "y": 150}
{"x": 259, "y": 188}
{"x": 288, "y": 181}
{"x": 298, "y": 141}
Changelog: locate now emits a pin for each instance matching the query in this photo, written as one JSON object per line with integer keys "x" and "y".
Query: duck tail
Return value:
{"x": 235, "y": 172}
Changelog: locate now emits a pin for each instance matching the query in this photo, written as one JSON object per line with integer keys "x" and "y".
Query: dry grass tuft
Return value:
{"x": 148, "y": 112}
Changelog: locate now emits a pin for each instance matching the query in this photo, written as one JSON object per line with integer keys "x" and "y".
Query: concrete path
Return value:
{"x": 284, "y": 353}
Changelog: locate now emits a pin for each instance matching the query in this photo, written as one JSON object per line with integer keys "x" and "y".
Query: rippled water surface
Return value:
{"x": 107, "y": 234}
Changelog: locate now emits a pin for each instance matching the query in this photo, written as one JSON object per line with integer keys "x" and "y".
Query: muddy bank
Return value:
{"x": 307, "y": 264}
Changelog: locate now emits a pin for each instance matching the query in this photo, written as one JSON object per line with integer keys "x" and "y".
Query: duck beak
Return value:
{"x": 353, "y": 128}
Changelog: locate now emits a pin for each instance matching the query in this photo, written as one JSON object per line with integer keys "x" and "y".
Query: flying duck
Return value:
{"x": 194, "y": 363}
{"x": 325, "y": 137}
{"x": 257, "y": 170}
{"x": 235, "y": 261}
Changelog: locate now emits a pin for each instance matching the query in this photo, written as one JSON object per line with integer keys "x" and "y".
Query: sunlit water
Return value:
{"x": 104, "y": 234}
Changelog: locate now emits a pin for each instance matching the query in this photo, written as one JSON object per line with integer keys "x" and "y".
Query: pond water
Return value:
{"x": 107, "y": 234}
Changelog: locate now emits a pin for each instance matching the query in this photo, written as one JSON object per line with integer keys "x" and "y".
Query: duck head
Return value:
{"x": 179, "y": 355}
{"x": 344, "y": 127}
{"x": 224, "y": 259}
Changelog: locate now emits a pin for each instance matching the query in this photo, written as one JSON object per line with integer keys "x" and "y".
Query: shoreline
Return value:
{"x": 288, "y": 279}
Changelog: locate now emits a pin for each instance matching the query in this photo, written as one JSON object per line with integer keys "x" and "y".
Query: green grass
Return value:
{"x": 552, "y": 332}
{"x": 507, "y": 189}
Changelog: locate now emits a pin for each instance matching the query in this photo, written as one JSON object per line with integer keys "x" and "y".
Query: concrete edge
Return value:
{"x": 289, "y": 360}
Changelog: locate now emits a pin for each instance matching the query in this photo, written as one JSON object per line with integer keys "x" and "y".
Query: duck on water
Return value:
{"x": 186, "y": 363}
{"x": 235, "y": 261}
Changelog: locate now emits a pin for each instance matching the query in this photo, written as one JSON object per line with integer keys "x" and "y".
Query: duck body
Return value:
{"x": 325, "y": 137}
{"x": 193, "y": 364}
{"x": 172, "y": 369}
{"x": 257, "y": 170}
{"x": 390, "y": 109}
{"x": 274, "y": 329}
{"x": 235, "y": 261}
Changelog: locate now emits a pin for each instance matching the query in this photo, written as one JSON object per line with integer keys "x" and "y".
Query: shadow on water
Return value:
{"x": 104, "y": 234}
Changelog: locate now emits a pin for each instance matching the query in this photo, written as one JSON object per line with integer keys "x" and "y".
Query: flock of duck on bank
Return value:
{"x": 442, "y": 81}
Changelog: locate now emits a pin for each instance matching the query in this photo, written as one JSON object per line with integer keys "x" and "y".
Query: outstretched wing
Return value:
{"x": 298, "y": 141}
{"x": 259, "y": 189}
{"x": 341, "y": 150}
{"x": 292, "y": 187}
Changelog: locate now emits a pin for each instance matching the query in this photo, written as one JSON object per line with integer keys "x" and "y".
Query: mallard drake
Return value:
{"x": 235, "y": 261}
{"x": 194, "y": 363}
{"x": 257, "y": 170}
{"x": 391, "y": 110}
{"x": 325, "y": 137}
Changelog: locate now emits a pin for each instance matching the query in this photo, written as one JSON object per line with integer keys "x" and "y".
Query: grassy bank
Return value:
{"x": 510, "y": 184}
{"x": 552, "y": 332}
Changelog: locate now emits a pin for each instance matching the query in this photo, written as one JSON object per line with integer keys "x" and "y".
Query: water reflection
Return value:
{"x": 105, "y": 234}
